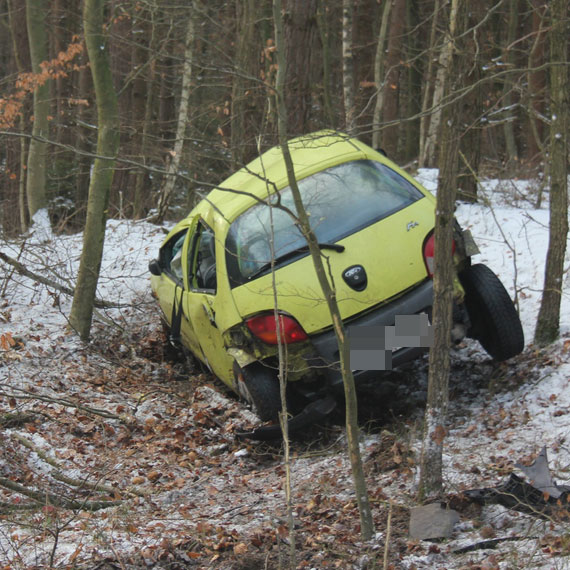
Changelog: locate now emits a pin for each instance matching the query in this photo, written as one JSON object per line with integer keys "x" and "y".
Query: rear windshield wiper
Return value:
{"x": 303, "y": 249}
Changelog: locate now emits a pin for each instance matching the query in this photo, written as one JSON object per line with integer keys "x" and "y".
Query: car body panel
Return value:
{"x": 297, "y": 285}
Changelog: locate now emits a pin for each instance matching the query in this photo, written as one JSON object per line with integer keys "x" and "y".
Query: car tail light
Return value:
{"x": 429, "y": 252}
{"x": 264, "y": 327}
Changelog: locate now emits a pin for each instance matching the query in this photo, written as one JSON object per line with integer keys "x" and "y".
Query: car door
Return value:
{"x": 171, "y": 286}
{"x": 202, "y": 302}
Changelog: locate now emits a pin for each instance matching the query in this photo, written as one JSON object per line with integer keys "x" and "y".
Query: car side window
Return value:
{"x": 170, "y": 256}
{"x": 203, "y": 260}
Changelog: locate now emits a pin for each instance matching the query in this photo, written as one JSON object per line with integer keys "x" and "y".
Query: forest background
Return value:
{"x": 385, "y": 86}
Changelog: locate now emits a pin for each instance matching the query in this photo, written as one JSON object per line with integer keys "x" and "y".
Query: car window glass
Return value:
{"x": 340, "y": 201}
{"x": 171, "y": 255}
{"x": 203, "y": 266}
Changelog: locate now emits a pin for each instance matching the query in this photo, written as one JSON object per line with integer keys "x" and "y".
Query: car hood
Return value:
{"x": 390, "y": 251}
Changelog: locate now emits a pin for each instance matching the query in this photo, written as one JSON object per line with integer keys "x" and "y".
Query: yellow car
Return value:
{"x": 223, "y": 270}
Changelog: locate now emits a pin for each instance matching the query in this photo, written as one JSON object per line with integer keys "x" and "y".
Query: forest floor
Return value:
{"x": 117, "y": 455}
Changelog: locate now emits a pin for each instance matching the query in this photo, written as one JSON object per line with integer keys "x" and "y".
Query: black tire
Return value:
{"x": 259, "y": 386}
{"x": 494, "y": 320}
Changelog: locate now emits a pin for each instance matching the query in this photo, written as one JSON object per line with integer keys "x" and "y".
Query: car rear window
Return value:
{"x": 340, "y": 201}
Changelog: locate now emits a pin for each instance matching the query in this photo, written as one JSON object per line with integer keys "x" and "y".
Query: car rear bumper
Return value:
{"x": 326, "y": 354}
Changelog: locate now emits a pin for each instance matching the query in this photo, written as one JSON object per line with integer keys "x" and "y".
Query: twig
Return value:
{"x": 52, "y": 499}
{"x": 64, "y": 402}
{"x": 388, "y": 535}
{"x": 22, "y": 270}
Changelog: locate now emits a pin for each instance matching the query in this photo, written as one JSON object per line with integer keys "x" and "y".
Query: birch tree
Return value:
{"x": 348, "y": 67}
{"x": 176, "y": 153}
{"x": 102, "y": 171}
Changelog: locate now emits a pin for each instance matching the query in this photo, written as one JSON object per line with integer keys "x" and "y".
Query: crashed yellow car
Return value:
{"x": 239, "y": 255}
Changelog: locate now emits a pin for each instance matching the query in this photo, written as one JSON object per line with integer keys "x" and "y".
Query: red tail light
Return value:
{"x": 264, "y": 327}
{"x": 429, "y": 252}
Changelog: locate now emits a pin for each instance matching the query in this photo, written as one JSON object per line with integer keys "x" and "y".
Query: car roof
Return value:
{"x": 310, "y": 153}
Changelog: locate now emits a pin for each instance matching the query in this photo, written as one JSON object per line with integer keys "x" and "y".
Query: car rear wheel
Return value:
{"x": 259, "y": 386}
{"x": 495, "y": 322}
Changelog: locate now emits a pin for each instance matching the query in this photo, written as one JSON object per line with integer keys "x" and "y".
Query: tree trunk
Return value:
{"x": 22, "y": 201}
{"x": 441, "y": 79}
{"x": 548, "y": 324}
{"x": 300, "y": 35}
{"x": 324, "y": 30}
{"x": 428, "y": 89}
{"x": 379, "y": 79}
{"x": 176, "y": 154}
{"x": 139, "y": 201}
{"x": 439, "y": 360}
{"x": 102, "y": 173}
{"x": 508, "y": 86}
{"x": 359, "y": 481}
{"x": 392, "y": 81}
{"x": 413, "y": 87}
{"x": 243, "y": 89}
{"x": 536, "y": 83}
{"x": 472, "y": 103}
{"x": 348, "y": 67}
{"x": 36, "y": 15}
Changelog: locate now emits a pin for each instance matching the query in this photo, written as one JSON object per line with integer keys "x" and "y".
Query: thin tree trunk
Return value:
{"x": 22, "y": 201}
{"x": 536, "y": 83}
{"x": 442, "y": 77}
{"x": 36, "y": 15}
{"x": 359, "y": 481}
{"x": 176, "y": 155}
{"x": 509, "y": 58}
{"x": 425, "y": 117}
{"x": 348, "y": 68}
{"x": 139, "y": 198}
{"x": 548, "y": 324}
{"x": 431, "y": 469}
{"x": 245, "y": 62}
{"x": 390, "y": 134}
{"x": 379, "y": 79}
{"x": 414, "y": 84}
{"x": 102, "y": 173}
{"x": 324, "y": 30}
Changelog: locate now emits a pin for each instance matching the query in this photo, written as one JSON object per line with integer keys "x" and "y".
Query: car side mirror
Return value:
{"x": 154, "y": 267}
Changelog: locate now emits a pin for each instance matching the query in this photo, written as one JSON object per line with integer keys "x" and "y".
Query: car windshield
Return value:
{"x": 340, "y": 201}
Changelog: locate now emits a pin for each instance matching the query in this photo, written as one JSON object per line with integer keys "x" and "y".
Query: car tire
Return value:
{"x": 259, "y": 386}
{"x": 495, "y": 322}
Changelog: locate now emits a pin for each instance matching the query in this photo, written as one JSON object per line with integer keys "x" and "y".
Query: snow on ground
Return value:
{"x": 118, "y": 412}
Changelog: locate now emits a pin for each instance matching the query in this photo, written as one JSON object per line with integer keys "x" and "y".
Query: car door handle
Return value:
{"x": 210, "y": 315}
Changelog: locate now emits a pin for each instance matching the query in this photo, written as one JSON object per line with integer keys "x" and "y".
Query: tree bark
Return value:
{"x": 548, "y": 324}
{"x": 379, "y": 79}
{"x": 36, "y": 16}
{"x": 324, "y": 30}
{"x": 359, "y": 481}
{"x": 536, "y": 83}
{"x": 176, "y": 154}
{"x": 431, "y": 468}
{"x": 300, "y": 21}
{"x": 508, "y": 86}
{"x": 390, "y": 136}
{"x": 102, "y": 172}
{"x": 348, "y": 67}
{"x": 441, "y": 79}
{"x": 22, "y": 201}
{"x": 428, "y": 89}
{"x": 243, "y": 88}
